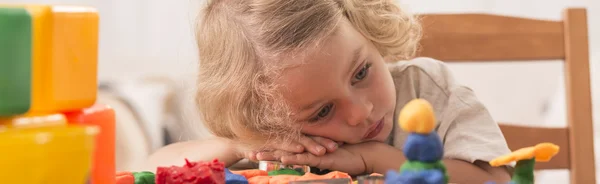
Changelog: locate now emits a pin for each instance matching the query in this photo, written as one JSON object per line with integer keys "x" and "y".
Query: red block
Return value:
{"x": 103, "y": 116}
{"x": 192, "y": 173}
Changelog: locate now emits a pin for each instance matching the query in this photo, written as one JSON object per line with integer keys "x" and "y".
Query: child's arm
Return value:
{"x": 377, "y": 157}
{"x": 196, "y": 150}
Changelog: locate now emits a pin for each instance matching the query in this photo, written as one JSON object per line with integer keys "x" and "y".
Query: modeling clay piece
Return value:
{"x": 231, "y": 178}
{"x": 249, "y": 173}
{"x": 144, "y": 177}
{"x": 125, "y": 178}
{"x": 256, "y": 176}
{"x": 526, "y": 158}
{"x": 285, "y": 172}
{"x": 324, "y": 181}
{"x": 192, "y": 173}
{"x": 423, "y": 147}
{"x": 431, "y": 176}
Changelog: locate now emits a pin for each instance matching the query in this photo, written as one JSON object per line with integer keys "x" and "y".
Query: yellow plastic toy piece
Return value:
{"x": 64, "y": 57}
{"x": 54, "y": 154}
{"x": 33, "y": 121}
{"x": 542, "y": 152}
{"x": 417, "y": 116}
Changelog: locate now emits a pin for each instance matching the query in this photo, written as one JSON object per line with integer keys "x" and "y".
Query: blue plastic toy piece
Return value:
{"x": 415, "y": 177}
{"x": 231, "y": 178}
{"x": 423, "y": 147}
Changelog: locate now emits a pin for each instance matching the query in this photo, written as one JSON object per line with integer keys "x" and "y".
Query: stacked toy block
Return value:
{"x": 48, "y": 88}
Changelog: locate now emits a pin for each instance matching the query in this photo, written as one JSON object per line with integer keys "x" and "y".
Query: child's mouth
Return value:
{"x": 374, "y": 130}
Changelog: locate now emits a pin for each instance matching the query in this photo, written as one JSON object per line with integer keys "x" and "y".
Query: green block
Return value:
{"x": 419, "y": 166}
{"x": 15, "y": 61}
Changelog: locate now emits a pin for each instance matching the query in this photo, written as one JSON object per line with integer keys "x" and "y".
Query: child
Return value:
{"x": 320, "y": 83}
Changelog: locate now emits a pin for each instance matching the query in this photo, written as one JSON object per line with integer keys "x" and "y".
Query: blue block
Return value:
{"x": 415, "y": 177}
{"x": 424, "y": 148}
{"x": 231, "y": 178}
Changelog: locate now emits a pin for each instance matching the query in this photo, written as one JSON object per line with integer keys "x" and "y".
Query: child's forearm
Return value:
{"x": 464, "y": 172}
{"x": 197, "y": 150}
{"x": 381, "y": 158}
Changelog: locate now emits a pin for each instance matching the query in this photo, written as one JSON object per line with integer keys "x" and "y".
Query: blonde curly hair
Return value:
{"x": 240, "y": 40}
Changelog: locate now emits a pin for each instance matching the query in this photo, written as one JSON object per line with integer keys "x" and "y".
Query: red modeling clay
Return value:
{"x": 192, "y": 173}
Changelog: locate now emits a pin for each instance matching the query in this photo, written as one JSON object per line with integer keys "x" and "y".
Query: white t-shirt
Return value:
{"x": 467, "y": 130}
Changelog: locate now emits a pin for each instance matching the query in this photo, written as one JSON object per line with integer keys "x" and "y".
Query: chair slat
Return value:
{"x": 522, "y": 136}
{"x": 481, "y": 37}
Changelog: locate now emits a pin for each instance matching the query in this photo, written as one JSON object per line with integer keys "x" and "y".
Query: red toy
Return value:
{"x": 192, "y": 173}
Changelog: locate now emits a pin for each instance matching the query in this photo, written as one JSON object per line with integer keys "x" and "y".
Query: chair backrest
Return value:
{"x": 489, "y": 38}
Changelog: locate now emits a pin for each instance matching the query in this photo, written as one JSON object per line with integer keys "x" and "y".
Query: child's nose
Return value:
{"x": 359, "y": 112}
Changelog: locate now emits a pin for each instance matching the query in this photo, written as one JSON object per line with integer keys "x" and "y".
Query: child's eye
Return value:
{"x": 362, "y": 73}
{"x": 323, "y": 112}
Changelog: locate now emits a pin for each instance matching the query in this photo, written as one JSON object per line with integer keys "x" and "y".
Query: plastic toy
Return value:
{"x": 48, "y": 86}
{"x": 103, "y": 116}
{"x": 51, "y": 154}
{"x": 15, "y": 60}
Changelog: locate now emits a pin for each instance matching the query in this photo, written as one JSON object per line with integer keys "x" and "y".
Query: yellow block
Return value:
{"x": 33, "y": 121}
{"x": 54, "y": 154}
{"x": 65, "y": 57}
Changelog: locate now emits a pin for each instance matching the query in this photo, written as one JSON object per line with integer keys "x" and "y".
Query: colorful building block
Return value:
{"x": 103, "y": 116}
{"x": 51, "y": 154}
{"x": 32, "y": 121}
{"x": 15, "y": 60}
{"x": 62, "y": 50}
{"x": 65, "y": 58}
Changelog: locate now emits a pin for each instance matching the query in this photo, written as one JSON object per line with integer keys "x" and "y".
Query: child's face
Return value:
{"x": 343, "y": 91}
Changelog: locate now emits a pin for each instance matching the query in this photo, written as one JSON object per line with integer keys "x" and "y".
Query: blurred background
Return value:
{"x": 147, "y": 61}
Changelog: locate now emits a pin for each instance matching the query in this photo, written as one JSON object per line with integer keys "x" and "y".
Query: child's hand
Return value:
{"x": 347, "y": 158}
{"x": 315, "y": 145}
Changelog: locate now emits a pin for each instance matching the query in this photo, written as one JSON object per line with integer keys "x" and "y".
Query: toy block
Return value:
{"x": 102, "y": 116}
{"x": 32, "y": 121}
{"x": 15, "y": 60}
{"x": 64, "y": 57}
{"x": 52, "y": 154}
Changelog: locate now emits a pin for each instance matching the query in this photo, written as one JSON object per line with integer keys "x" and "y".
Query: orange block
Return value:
{"x": 103, "y": 116}
{"x": 65, "y": 58}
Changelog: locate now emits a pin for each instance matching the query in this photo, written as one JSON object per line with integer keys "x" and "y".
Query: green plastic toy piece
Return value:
{"x": 15, "y": 61}
{"x": 523, "y": 173}
{"x": 285, "y": 171}
{"x": 144, "y": 177}
{"x": 420, "y": 166}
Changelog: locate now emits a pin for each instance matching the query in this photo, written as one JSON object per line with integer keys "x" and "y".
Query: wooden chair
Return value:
{"x": 489, "y": 38}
